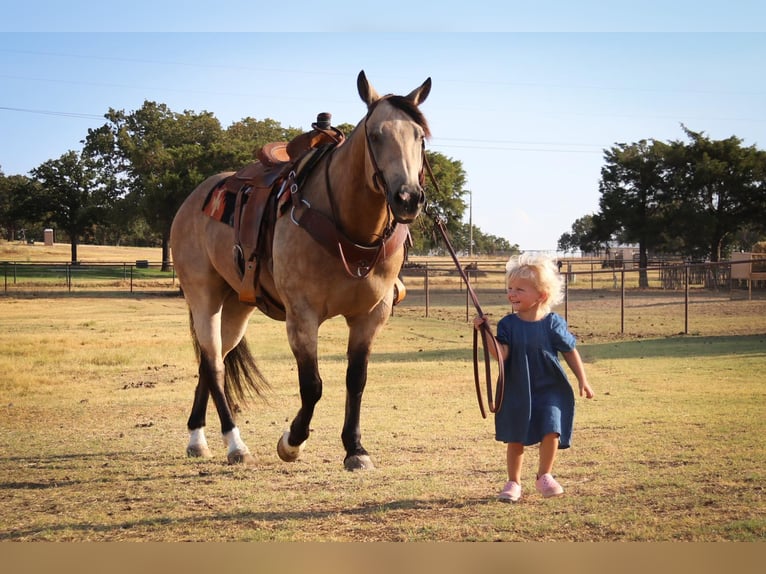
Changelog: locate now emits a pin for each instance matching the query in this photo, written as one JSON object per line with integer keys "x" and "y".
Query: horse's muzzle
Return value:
{"x": 407, "y": 203}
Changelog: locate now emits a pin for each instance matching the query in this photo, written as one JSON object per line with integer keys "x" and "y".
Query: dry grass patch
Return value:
{"x": 96, "y": 392}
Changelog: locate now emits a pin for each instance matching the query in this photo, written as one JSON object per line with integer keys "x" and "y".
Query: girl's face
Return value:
{"x": 524, "y": 296}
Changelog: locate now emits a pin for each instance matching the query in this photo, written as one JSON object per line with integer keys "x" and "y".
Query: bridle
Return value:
{"x": 378, "y": 179}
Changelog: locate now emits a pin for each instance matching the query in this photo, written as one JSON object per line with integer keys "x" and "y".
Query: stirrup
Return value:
{"x": 400, "y": 291}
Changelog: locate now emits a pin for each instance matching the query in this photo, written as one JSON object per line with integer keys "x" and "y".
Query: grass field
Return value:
{"x": 96, "y": 392}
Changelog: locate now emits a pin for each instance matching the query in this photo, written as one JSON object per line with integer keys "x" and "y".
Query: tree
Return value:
{"x": 445, "y": 201}
{"x": 719, "y": 190}
{"x": 634, "y": 192}
{"x": 18, "y": 208}
{"x": 159, "y": 157}
{"x": 75, "y": 193}
{"x": 246, "y": 136}
{"x": 582, "y": 237}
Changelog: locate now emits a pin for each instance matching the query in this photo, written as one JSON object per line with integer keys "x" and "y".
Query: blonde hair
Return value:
{"x": 542, "y": 272}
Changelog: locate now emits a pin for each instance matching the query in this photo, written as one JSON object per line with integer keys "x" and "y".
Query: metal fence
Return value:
{"x": 435, "y": 288}
{"x": 589, "y": 285}
{"x": 119, "y": 277}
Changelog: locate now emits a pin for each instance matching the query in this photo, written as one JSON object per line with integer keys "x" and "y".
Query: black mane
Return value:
{"x": 409, "y": 108}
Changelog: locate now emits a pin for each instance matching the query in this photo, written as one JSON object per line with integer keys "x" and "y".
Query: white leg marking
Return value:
{"x": 197, "y": 446}
{"x": 235, "y": 443}
{"x": 197, "y": 438}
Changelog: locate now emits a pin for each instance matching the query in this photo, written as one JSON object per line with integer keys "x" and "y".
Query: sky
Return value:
{"x": 527, "y": 99}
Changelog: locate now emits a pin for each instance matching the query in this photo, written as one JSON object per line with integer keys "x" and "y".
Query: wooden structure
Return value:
{"x": 748, "y": 267}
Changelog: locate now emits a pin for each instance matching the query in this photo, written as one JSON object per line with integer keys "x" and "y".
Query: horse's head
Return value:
{"x": 396, "y": 129}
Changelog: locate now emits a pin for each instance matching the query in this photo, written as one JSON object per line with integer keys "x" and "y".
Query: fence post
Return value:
{"x": 466, "y": 303}
{"x": 622, "y": 300}
{"x": 428, "y": 294}
{"x": 686, "y": 299}
{"x": 566, "y": 294}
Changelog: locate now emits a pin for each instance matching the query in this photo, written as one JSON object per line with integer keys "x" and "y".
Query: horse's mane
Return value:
{"x": 409, "y": 108}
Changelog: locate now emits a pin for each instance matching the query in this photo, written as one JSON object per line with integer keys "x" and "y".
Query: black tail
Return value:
{"x": 242, "y": 377}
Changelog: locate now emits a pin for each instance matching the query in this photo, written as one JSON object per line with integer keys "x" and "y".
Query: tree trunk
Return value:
{"x": 643, "y": 263}
{"x": 165, "y": 252}
{"x": 73, "y": 240}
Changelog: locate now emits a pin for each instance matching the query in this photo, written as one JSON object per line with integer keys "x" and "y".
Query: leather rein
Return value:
{"x": 483, "y": 330}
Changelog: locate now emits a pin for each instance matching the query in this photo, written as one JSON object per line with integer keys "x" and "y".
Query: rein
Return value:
{"x": 487, "y": 337}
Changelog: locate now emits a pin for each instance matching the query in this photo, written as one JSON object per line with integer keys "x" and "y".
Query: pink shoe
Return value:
{"x": 547, "y": 486}
{"x": 511, "y": 492}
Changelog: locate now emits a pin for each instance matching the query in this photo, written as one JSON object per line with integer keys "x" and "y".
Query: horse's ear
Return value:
{"x": 366, "y": 91}
{"x": 419, "y": 95}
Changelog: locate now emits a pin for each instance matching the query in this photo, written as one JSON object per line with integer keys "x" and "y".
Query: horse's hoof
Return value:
{"x": 287, "y": 452}
{"x": 239, "y": 457}
{"x": 198, "y": 451}
{"x": 358, "y": 462}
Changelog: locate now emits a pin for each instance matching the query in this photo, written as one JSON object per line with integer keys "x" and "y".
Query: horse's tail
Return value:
{"x": 242, "y": 377}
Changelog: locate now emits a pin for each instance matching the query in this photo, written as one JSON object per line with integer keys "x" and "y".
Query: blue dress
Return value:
{"x": 537, "y": 399}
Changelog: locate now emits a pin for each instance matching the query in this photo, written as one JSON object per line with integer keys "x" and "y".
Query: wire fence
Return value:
{"x": 599, "y": 296}
{"x": 21, "y": 278}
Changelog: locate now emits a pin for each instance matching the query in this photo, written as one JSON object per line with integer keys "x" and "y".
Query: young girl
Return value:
{"x": 538, "y": 402}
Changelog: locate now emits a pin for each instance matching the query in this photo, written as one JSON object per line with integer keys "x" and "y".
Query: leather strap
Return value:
{"x": 358, "y": 260}
{"x": 484, "y": 330}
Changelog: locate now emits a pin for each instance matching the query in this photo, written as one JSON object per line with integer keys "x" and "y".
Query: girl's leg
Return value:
{"x": 545, "y": 483}
{"x": 549, "y": 446}
{"x": 515, "y": 458}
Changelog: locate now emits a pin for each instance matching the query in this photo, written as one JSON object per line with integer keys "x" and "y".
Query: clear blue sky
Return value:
{"x": 526, "y": 99}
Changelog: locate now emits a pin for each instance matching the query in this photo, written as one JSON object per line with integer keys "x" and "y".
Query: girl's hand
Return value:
{"x": 479, "y": 321}
{"x": 586, "y": 390}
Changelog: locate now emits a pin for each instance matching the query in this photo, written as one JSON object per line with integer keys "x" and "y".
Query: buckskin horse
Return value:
{"x": 308, "y": 233}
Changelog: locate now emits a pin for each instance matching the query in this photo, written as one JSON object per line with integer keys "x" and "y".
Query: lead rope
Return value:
{"x": 487, "y": 337}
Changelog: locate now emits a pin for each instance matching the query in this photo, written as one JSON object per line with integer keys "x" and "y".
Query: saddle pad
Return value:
{"x": 220, "y": 203}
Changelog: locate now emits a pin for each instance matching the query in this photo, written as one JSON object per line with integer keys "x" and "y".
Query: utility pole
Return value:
{"x": 470, "y": 223}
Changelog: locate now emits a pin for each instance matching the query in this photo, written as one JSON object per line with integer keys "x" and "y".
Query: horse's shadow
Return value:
{"x": 214, "y": 520}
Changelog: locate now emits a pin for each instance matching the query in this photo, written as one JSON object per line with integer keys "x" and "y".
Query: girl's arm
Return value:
{"x": 477, "y": 322}
{"x": 575, "y": 363}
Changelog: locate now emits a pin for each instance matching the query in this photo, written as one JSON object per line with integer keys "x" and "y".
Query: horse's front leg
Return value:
{"x": 357, "y": 457}
{"x": 303, "y": 341}
{"x": 362, "y": 332}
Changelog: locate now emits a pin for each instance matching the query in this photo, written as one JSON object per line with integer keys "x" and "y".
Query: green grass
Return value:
{"x": 96, "y": 392}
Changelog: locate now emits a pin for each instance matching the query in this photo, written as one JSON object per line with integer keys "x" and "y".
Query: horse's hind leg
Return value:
{"x": 198, "y": 446}
{"x": 239, "y": 379}
{"x": 214, "y": 343}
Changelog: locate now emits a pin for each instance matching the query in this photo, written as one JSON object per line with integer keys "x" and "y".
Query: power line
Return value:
{"x": 54, "y": 113}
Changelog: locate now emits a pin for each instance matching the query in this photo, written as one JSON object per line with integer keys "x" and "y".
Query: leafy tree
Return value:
{"x": 582, "y": 237}
{"x": 246, "y": 136}
{"x": 159, "y": 157}
{"x": 444, "y": 201}
{"x": 634, "y": 193}
{"x": 19, "y": 209}
{"x": 719, "y": 190}
{"x": 76, "y": 194}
